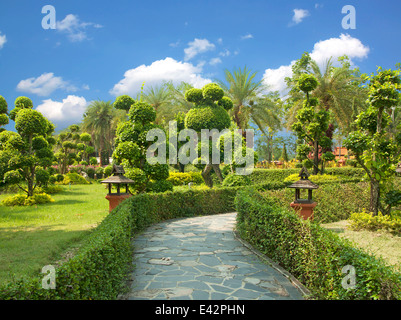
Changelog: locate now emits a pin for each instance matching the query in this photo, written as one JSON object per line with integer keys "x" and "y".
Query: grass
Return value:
{"x": 381, "y": 243}
{"x": 32, "y": 237}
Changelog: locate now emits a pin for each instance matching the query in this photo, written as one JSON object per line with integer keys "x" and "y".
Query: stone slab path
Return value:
{"x": 201, "y": 259}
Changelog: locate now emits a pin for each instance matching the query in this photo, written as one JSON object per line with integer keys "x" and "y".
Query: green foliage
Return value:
{"x": 73, "y": 178}
{"x": 159, "y": 186}
{"x": 367, "y": 221}
{"x": 207, "y": 117}
{"x": 142, "y": 113}
{"x": 233, "y": 180}
{"x": 123, "y": 102}
{"x": 108, "y": 170}
{"x": 29, "y": 122}
{"x": 139, "y": 176}
{"x": 183, "y": 178}
{"x": 307, "y": 83}
{"x": 314, "y": 255}
{"x": 314, "y": 178}
{"x": 24, "y": 200}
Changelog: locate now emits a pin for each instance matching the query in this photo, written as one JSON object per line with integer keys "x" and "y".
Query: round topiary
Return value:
{"x": 137, "y": 175}
{"x": 157, "y": 171}
{"x": 194, "y": 95}
{"x": 207, "y": 117}
{"x": 3, "y": 105}
{"x": 212, "y": 92}
{"x": 123, "y": 102}
{"x": 233, "y": 180}
{"x": 29, "y": 122}
{"x": 127, "y": 150}
{"x": 307, "y": 83}
{"x": 23, "y": 103}
{"x": 160, "y": 186}
{"x": 226, "y": 103}
{"x": 142, "y": 112}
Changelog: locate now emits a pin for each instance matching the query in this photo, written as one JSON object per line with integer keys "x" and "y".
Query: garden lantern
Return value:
{"x": 117, "y": 178}
{"x": 304, "y": 206}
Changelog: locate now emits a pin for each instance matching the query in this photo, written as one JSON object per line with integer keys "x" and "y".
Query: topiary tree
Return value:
{"x": 3, "y": 113}
{"x": 375, "y": 149}
{"x": 311, "y": 125}
{"x": 123, "y": 102}
{"x": 131, "y": 146}
{"x": 209, "y": 112}
{"x": 20, "y": 103}
{"x": 27, "y": 151}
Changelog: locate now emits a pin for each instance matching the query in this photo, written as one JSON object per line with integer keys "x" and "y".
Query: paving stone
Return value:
{"x": 199, "y": 258}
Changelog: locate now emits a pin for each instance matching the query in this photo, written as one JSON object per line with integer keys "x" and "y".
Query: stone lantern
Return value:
{"x": 117, "y": 178}
{"x": 304, "y": 207}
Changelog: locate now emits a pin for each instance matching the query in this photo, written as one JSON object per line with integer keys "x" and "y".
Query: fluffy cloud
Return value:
{"x": 215, "y": 61}
{"x": 74, "y": 28}
{"x": 158, "y": 72}
{"x": 197, "y": 46}
{"x": 322, "y": 51}
{"x": 44, "y": 85}
{"x": 3, "y": 40}
{"x": 247, "y": 36}
{"x": 64, "y": 113}
{"x": 299, "y": 15}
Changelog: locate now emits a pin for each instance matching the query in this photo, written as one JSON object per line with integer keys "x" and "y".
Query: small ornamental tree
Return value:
{"x": 311, "y": 125}
{"x": 28, "y": 151}
{"x": 20, "y": 103}
{"x": 68, "y": 148}
{"x": 123, "y": 103}
{"x": 3, "y": 113}
{"x": 373, "y": 147}
{"x": 131, "y": 147}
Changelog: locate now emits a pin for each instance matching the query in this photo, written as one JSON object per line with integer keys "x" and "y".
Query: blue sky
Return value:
{"x": 101, "y": 49}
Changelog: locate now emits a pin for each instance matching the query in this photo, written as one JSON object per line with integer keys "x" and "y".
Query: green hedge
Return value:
{"x": 101, "y": 265}
{"x": 265, "y": 175}
{"x": 314, "y": 255}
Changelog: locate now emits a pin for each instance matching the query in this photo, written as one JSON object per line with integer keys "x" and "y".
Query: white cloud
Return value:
{"x": 215, "y": 61}
{"x": 74, "y": 28}
{"x": 3, "y": 40}
{"x": 225, "y": 53}
{"x": 299, "y": 15}
{"x": 158, "y": 72}
{"x": 322, "y": 51}
{"x": 197, "y": 46}
{"x": 247, "y": 36}
{"x": 44, "y": 85}
{"x": 67, "y": 112}
{"x": 220, "y": 40}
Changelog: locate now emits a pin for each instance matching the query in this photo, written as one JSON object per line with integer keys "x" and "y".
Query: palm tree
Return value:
{"x": 339, "y": 90}
{"x": 160, "y": 98}
{"x": 100, "y": 120}
{"x": 242, "y": 89}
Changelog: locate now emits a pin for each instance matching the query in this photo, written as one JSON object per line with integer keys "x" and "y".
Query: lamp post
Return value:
{"x": 117, "y": 178}
{"x": 304, "y": 207}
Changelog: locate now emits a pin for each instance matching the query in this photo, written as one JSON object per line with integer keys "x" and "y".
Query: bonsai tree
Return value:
{"x": 209, "y": 112}
{"x": 311, "y": 125}
{"x": 372, "y": 144}
{"x": 28, "y": 151}
{"x": 131, "y": 147}
{"x": 3, "y": 113}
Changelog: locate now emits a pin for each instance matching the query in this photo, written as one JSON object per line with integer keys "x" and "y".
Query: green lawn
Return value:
{"x": 32, "y": 237}
{"x": 381, "y": 243}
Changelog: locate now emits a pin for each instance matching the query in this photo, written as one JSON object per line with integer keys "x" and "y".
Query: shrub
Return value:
{"x": 93, "y": 161}
{"x": 24, "y": 200}
{"x": 233, "y": 180}
{"x": 90, "y": 171}
{"x": 74, "y": 178}
{"x": 314, "y": 255}
{"x": 159, "y": 186}
{"x": 107, "y": 171}
{"x": 314, "y": 178}
{"x": 99, "y": 172}
{"x": 365, "y": 220}
{"x": 183, "y": 178}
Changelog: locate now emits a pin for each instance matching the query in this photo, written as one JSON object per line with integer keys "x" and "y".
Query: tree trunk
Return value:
{"x": 316, "y": 158}
{"x": 181, "y": 167}
{"x": 217, "y": 170}
{"x": 374, "y": 196}
{"x": 206, "y": 175}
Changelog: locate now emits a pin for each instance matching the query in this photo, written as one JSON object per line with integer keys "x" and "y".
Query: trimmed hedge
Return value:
{"x": 314, "y": 255}
{"x": 265, "y": 175}
{"x": 100, "y": 267}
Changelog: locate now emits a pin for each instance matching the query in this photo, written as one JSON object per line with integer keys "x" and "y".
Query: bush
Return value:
{"x": 314, "y": 178}
{"x": 99, "y": 172}
{"x": 314, "y": 255}
{"x": 90, "y": 171}
{"x": 24, "y": 200}
{"x": 365, "y": 220}
{"x": 73, "y": 178}
{"x": 107, "y": 171}
{"x": 183, "y": 178}
{"x": 159, "y": 186}
{"x": 233, "y": 180}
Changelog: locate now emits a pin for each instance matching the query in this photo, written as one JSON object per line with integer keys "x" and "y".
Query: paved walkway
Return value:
{"x": 201, "y": 259}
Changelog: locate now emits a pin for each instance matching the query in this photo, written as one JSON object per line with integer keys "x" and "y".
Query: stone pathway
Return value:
{"x": 201, "y": 259}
